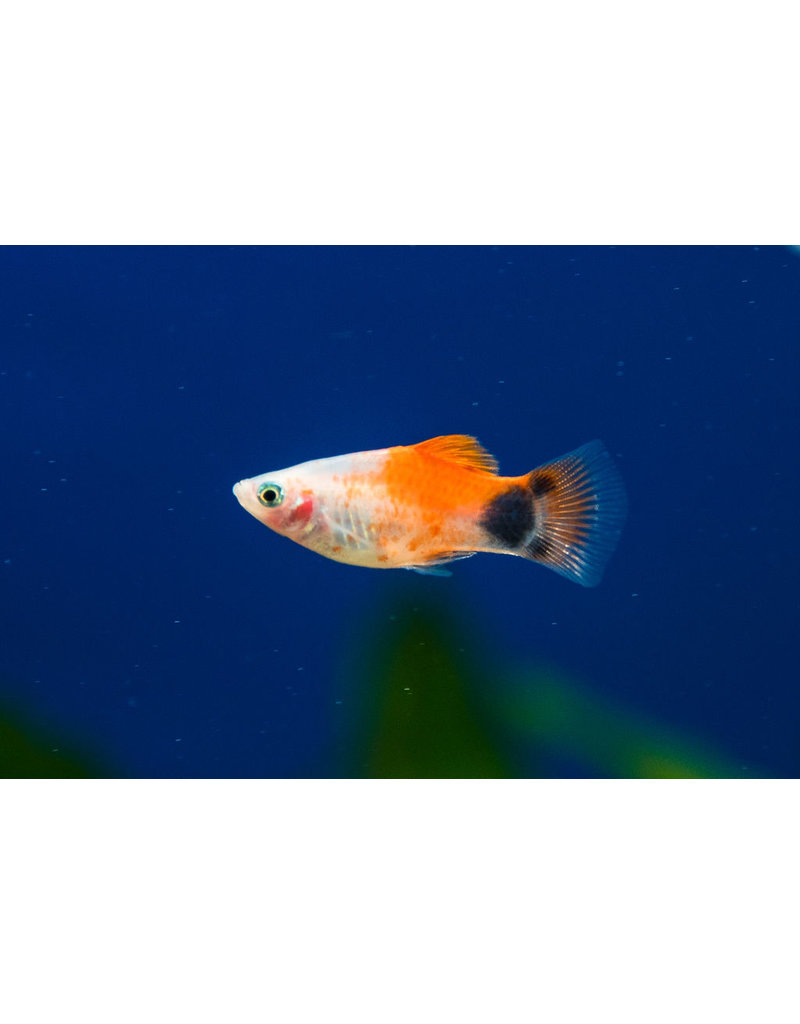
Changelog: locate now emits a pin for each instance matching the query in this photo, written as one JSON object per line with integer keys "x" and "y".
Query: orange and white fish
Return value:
{"x": 422, "y": 505}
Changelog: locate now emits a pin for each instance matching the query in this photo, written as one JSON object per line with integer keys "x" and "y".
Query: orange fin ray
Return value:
{"x": 460, "y": 449}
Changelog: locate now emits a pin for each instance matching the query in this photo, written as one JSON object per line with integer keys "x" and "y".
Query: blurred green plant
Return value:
{"x": 427, "y": 720}
{"x": 564, "y": 719}
{"x": 436, "y": 708}
{"x": 32, "y": 751}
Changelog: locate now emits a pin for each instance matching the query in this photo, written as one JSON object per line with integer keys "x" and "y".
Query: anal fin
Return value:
{"x": 432, "y": 568}
{"x": 428, "y": 571}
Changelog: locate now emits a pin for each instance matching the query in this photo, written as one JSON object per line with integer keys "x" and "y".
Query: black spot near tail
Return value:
{"x": 509, "y": 517}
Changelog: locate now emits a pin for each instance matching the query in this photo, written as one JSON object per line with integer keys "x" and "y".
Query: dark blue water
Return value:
{"x": 149, "y": 622}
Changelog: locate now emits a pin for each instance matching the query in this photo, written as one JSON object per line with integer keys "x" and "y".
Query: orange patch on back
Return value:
{"x": 427, "y": 482}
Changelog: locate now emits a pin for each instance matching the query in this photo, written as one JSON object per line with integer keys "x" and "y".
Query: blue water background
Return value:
{"x": 146, "y": 616}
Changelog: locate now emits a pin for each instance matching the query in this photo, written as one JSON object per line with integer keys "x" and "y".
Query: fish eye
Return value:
{"x": 270, "y": 495}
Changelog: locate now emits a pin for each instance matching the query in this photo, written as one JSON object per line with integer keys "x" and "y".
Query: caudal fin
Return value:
{"x": 579, "y": 507}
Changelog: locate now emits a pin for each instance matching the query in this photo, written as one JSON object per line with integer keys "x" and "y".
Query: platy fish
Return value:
{"x": 423, "y": 505}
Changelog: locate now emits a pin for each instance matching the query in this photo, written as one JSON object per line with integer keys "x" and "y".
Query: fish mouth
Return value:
{"x": 240, "y": 492}
{"x": 244, "y": 492}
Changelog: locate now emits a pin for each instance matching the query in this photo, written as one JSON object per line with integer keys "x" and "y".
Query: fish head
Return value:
{"x": 279, "y": 500}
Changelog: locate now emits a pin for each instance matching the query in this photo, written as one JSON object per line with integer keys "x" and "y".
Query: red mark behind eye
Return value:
{"x": 300, "y": 515}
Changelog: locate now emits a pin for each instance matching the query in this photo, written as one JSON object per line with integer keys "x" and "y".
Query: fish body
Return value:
{"x": 421, "y": 506}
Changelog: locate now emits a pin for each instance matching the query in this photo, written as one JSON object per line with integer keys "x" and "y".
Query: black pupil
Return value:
{"x": 270, "y": 495}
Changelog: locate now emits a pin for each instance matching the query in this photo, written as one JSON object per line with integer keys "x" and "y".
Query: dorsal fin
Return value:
{"x": 461, "y": 449}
